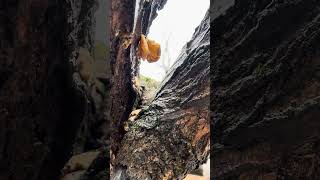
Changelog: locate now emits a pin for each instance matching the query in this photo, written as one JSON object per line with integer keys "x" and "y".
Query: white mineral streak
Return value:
{"x": 136, "y": 14}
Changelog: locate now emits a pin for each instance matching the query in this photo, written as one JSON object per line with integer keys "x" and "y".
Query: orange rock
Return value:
{"x": 154, "y": 51}
{"x": 143, "y": 48}
{"x": 149, "y": 49}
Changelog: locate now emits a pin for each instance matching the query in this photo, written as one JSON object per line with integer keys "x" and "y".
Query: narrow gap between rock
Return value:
{"x": 172, "y": 29}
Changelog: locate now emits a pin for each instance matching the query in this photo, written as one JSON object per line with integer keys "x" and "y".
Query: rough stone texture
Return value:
{"x": 124, "y": 38}
{"x": 122, "y": 92}
{"x": 171, "y": 136}
{"x": 265, "y": 90}
{"x": 42, "y": 100}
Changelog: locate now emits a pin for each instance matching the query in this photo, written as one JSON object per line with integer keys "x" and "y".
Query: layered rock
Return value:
{"x": 265, "y": 90}
{"x": 171, "y": 136}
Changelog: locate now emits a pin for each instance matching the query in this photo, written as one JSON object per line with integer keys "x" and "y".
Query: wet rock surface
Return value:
{"x": 127, "y": 21}
{"x": 265, "y": 90}
{"x": 171, "y": 136}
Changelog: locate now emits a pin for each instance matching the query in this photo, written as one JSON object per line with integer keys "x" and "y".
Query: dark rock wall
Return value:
{"x": 42, "y": 103}
{"x": 126, "y": 28}
{"x": 265, "y": 90}
{"x": 94, "y": 132}
{"x": 122, "y": 92}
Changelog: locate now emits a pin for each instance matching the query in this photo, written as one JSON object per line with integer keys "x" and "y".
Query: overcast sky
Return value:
{"x": 177, "y": 20}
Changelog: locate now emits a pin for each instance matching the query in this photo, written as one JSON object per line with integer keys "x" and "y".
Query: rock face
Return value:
{"x": 265, "y": 90}
{"x": 128, "y": 20}
{"x": 171, "y": 136}
{"x": 93, "y": 132}
{"x": 122, "y": 92}
{"x": 43, "y": 100}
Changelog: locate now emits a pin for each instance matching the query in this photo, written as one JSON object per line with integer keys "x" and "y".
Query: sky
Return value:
{"x": 176, "y": 22}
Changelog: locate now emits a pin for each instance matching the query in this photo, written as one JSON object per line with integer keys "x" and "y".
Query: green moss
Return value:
{"x": 148, "y": 82}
